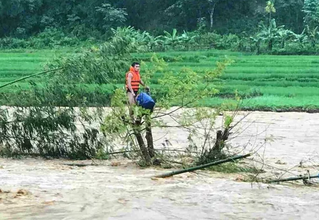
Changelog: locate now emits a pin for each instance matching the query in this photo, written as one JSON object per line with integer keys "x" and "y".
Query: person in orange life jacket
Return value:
{"x": 133, "y": 81}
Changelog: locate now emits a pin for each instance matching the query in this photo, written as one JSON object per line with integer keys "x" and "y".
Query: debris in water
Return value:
{"x": 115, "y": 163}
{"x": 280, "y": 162}
{"x": 21, "y": 192}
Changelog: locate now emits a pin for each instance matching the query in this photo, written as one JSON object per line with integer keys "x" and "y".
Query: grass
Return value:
{"x": 265, "y": 82}
{"x": 234, "y": 167}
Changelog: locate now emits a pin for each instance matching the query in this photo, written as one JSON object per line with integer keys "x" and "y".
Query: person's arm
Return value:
{"x": 129, "y": 84}
{"x": 144, "y": 85}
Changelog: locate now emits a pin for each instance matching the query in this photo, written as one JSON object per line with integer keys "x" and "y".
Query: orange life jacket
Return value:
{"x": 135, "y": 80}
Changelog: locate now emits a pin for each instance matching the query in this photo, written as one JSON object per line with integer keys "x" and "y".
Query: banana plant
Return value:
{"x": 312, "y": 35}
{"x": 172, "y": 39}
{"x": 285, "y": 35}
{"x": 270, "y": 33}
{"x": 301, "y": 38}
{"x": 155, "y": 42}
{"x": 187, "y": 39}
{"x": 257, "y": 43}
{"x": 141, "y": 39}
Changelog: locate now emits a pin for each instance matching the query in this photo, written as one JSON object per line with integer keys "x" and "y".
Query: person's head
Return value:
{"x": 136, "y": 66}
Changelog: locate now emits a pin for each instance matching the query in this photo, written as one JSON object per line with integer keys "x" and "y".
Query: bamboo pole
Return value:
{"x": 122, "y": 152}
{"x": 202, "y": 166}
{"x": 29, "y": 76}
{"x": 294, "y": 178}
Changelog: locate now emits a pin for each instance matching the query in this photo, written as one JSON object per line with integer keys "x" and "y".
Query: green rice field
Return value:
{"x": 265, "y": 82}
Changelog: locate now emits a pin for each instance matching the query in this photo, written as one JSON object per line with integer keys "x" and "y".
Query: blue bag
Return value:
{"x": 145, "y": 101}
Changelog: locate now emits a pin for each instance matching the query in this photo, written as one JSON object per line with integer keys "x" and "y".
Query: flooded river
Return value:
{"x": 53, "y": 189}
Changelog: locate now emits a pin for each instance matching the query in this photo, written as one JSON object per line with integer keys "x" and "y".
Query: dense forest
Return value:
{"x": 23, "y": 18}
{"x": 260, "y": 26}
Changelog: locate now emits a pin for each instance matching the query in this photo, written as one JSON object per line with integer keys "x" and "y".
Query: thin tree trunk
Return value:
{"x": 211, "y": 16}
{"x": 216, "y": 151}
{"x": 269, "y": 19}
{"x": 213, "y": 3}
{"x": 149, "y": 137}
{"x": 313, "y": 42}
{"x": 220, "y": 142}
{"x": 270, "y": 44}
{"x": 258, "y": 47}
{"x": 282, "y": 43}
{"x": 142, "y": 145}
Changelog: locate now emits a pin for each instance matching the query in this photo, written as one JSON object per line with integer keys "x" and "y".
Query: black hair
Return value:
{"x": 135, "y": 63}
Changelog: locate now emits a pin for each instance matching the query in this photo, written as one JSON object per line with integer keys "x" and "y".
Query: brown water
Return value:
{"x": 55, "y": 190}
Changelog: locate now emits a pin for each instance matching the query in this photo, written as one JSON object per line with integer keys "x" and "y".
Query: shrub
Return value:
{"x": 13, "y": 43}
{"x": 208, "y": 40}
{"x": 49, "y": 38}
{"x": 296, "y": 49}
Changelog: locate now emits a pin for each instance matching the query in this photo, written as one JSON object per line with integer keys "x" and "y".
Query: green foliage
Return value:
{"x": 92, "y": 18}
{"x": 171, "y": 39}
{"x": 270, "y": 33}
{"x": 47, "y": 131}
{"x": 311, "y": 10}
{"x": 271, "y": 39}
{"x": 95, "y": 18}
{"x": 234, "y": 167}
{"x": 52, "y": 37}
{"x": 112, "y": 17}
{"x": 178, "y": 88}
{"x": 52, "y": 131}
{"x": 13, "y": 43}
{"x": 228, "y": 121}
{"x": 181, "y": 88}
{"x": 49, "y": 38}
{"x": 285, "y": 35}
{"x": 270, "y": 7}
{"x": 105, "y": 64}
{"x": 251, "y": 75}
{"x": 200, "y": 79}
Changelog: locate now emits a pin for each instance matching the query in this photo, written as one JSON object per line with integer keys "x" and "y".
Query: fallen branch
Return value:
{"x": 294, "y": 178}
{"x": 202, "y": 166}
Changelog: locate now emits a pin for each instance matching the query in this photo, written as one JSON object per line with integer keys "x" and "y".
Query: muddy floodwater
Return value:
{"x": 118, "y": 189}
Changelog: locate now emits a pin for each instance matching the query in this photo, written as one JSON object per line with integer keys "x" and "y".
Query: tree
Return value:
{"x": 312, "y": 35}
{"x": 269, "y": 33}
{"x": 270, "y": 9}
{"x": 24, "y": 18}
{"x": 187, "y": 39}
{"x": 212, "y": 6}
{"x": 172, "y": 40}
{"x": 177, "y": 88}
{"x": 285, "y": 35}
{"x": 257, "y": 43}
{"x": 311, "y": 10}
{"x": 289, "y": 13}
{"x": 112, "y": 17}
